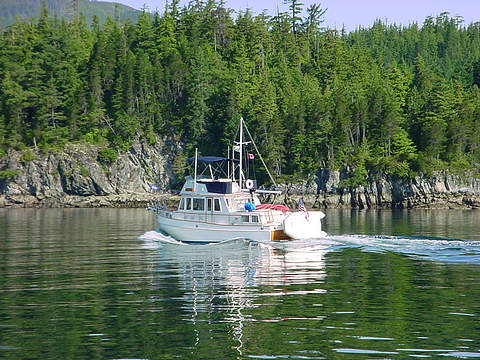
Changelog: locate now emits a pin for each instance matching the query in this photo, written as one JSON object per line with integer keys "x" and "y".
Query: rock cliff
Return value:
{"x": 75, "y": 176}
{"x": 439, "y": 191}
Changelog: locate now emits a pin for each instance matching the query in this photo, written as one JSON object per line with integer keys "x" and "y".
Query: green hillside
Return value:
{"x": 27, "y": 9}
{"x": 391, "y": 100}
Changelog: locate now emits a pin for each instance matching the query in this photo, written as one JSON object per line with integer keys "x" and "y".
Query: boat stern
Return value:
{"x": 279, "y": 235}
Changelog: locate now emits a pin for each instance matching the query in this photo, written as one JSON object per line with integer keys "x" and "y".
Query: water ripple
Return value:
{"x": 365, "y": 351}
{"x": 434, "y": 248}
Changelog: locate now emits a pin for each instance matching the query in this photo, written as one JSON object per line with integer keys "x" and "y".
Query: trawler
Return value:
{"x": 218, "y": 203}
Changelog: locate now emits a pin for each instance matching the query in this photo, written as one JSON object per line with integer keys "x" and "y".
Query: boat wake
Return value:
{"x": 156, "y": 238}
{"x": 152, "y": 239}
{"x": 427, "y": 248}
{"x": 431, "y": 248}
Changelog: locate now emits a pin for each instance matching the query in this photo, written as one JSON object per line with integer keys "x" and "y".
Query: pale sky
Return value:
{"x": 352, "y": 13}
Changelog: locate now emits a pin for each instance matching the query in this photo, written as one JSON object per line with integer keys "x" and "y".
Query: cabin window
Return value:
{"x": 245, "y": 218}
{"x": 254, "y": 219}
{"x": 216, "y": 204}
{"x": 182, "y": 204}
{"x": 199, "y": 204}
{"x": 189, "y": 202}
{"x": 209, "y": 204}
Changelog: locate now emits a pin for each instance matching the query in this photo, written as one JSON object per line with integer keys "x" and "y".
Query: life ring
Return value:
{"x": 249, "y": 184}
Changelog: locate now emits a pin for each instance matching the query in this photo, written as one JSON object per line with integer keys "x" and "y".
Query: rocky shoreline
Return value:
{"x": 77, "y": 177}
{"x": 441, "y": 191}
{"x": 75, "y": 201}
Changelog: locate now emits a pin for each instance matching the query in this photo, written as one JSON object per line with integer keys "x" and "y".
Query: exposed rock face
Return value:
{"x": 440, "y": 191}
{"x": 74, "y": 177}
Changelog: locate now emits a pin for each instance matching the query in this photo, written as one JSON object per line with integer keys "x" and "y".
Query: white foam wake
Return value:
{"x": 436, "y": 249}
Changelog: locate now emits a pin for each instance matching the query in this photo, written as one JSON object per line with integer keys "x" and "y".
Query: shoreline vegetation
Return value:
{"x": 391, "y": 113}
{"x": 75, "y": 177}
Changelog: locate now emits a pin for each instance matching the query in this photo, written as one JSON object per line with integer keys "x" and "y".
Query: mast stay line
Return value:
{"x": 260, "y": 155}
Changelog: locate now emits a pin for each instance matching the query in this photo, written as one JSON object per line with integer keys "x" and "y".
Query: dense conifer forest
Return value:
{"x": 11, "y": 10}
{"x": 388, "y": 99}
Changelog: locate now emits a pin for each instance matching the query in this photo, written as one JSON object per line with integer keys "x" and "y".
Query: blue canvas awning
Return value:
{"x": 211, "y": 159}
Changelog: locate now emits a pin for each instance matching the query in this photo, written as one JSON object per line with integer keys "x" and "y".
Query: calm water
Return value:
{"x": 102, "y": 284}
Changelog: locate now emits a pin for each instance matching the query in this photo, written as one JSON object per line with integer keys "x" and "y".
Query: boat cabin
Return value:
{"x": 225, "y": 198}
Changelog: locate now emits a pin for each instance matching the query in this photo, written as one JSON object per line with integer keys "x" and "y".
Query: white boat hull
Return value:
{"x": 194, "y": 231}
{"x": 295, "y": 226}
{"x": 300, "y": 225}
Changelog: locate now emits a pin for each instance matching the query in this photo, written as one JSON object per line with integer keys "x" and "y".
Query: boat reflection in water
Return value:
{"x": 224, "y": 282}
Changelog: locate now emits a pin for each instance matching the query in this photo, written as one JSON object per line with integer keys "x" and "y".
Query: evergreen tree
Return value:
{"x": 387, "y": 98}
{"x": 295, "y": 7}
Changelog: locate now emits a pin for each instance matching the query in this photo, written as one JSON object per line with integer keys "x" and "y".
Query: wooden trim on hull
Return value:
{"x": 279, "y": 235}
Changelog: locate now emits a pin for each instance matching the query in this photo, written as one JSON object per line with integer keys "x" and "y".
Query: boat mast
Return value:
{"x": 233, "y": 162}
{"x": 195, "y": 178}
{"x": 228, "y": 164}
{"x": 241, "y": 154}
